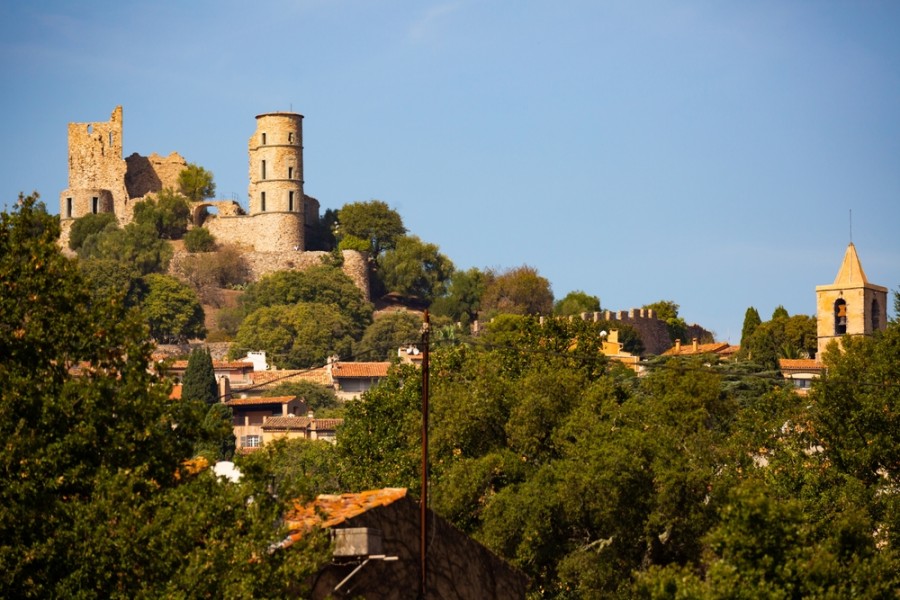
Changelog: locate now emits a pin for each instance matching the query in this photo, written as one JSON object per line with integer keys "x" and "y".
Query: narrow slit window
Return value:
{"x": 262, "y": 201}
{"x": 876, "y": 316}
{"x": 263, "y": 170}
{"x": 263, "y": 139}
{"x": 290, "y": 172}
{"x": 290, "y": 137}
{"x": 95, "y": 204}
{"x": 291, "y": 201}
{"x": 68, "y": 208}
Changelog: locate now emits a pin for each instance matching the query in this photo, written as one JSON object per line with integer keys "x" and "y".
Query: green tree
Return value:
{"x": 172, "y": 310}
{"x": 751, "y": 322}
{"x": 322, "y": 284}
{"x": 96, "y": 499}
{"x": 167, "y": 213}
{"x": 415, "y": 268}
{"x": 373, "y": 221}
{"x": 387, "y": 334}
{"x": 463, "y": 298}
{"x": 196, "y": 183}
{"x": 109, "y": 278}
{"x": 780, "y": 312}
{"x": 518, "y": 291}
{"x": 295, "y": 336}
{"x": 575, "y": 303}
{"x": 199, "y": 382}
{"x": 88, "y": 225}
{"x": 199, "y": 239}
{"x": 137, "y": 245}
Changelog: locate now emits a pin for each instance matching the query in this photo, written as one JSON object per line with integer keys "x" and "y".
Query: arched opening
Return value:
{"x": 203, "y": 212}
{"x": 840, "y": 317}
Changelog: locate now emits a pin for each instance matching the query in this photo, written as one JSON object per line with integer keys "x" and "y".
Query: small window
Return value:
{"x": 263, "y": 169}
{"x": 264, "y": 139}
{"x": 251, "y": 441}
{"x": 68, "y": 208}
{"x": 290, "y": 137}
{"x": 840, "y": 317}
{"x": 291, "y": 201}
{"x": 262, "y": 198}
{"x": 95, "y": 204}
{"x": 876, "y": 316}
{"x": 290, "y": 172}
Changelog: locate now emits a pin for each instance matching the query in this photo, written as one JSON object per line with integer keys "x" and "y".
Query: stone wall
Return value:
{"x": 653, "y": 332}
{"x": 150, "y": 174}
{"x": 459, "y": 568}
{"x": 263, "y": 232}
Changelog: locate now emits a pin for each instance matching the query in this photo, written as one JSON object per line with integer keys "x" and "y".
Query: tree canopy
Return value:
{"x": 415, "y": 268}
{"x": 387, "y": 334}
{"x": 576, "y": 303}
{"x": 172, "y": 310}
{"x": 373, "y": 221}
{"x": 96, "y": 496}
{"x": 196, "y": 183}
{"x": 519, "y": 291}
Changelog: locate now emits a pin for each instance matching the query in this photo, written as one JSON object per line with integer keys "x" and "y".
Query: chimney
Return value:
{"x": 695, "y": 344}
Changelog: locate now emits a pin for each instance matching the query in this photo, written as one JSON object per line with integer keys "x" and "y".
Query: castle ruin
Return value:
{"x": 271, "y": 234}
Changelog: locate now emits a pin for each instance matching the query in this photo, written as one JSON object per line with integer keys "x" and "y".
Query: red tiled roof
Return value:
{"x": 269, "y": 379}
{"x": 800, "y": 364}
{"x": 688, "y": 349}
{"x": 331, "y": 510}
{"x": 217, "y": 364}
{"x": 301, "y": 423}
{"x": 260, "y": 400}
{"x": 360, "y": 369}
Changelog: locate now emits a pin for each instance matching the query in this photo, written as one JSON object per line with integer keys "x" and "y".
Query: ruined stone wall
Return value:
{"x": 260, "y": 263}
{"x": 263, "y": 232}
{"x": 653, "y": 333}
{"x": 150, "y": 174}
{"x": 95, "y": 166}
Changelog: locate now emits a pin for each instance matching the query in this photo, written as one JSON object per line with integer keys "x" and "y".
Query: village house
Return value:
{"x": 250, "y": 414}
{"x": 294, "y": 427}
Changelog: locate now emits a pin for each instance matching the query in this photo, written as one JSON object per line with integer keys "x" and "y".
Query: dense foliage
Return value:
{"x": 97, "y": 496}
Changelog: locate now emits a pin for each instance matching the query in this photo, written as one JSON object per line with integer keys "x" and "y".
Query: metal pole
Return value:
{"x": 423, "y": 502}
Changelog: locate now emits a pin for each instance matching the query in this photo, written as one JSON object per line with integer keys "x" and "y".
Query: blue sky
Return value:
{"x": 708, "y": 153}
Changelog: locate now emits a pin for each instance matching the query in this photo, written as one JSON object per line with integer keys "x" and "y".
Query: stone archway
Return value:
{"x": 223, "y": 208}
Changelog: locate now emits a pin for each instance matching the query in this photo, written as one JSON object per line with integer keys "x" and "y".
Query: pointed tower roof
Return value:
{"x": 851, "y": 273}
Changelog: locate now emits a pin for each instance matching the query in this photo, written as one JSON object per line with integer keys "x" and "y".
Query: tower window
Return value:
{"x": 262, "y": 200}
{"x": 68, "y": 208}
{"x": 95, "y": 204}
{"x": 263, "y": 169}
{"x": 876, "y": 316}
{"x": 290, "y": 137}
{"x": 290, "y": 172}
{"x": 291, "y": 201}
{"x": 110, "y": 138}
{"x": 264, "y": 139}
{"x": 840, "y": 317}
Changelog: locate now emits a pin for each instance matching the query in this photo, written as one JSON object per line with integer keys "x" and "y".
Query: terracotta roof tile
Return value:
{"x": 286, "y": 423}
{"x": 260, "y": 400}
{"x": 269, "y": 379}
{"x": 800, "y": 364}
{"x": 360, "y": 369}
{"x": 331, "y": 510}
{"x": 217, "y": 364}
{"x": 688, "y": 349}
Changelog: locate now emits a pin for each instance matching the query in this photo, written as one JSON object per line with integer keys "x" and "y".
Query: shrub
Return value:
{"x": 199, "y": 239}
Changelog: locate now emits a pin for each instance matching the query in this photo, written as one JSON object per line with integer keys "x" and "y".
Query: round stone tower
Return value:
{"x": 276, "y": 164}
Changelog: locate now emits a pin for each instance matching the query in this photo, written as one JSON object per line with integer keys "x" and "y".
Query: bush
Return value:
{"x": 89, "y": 225}
{"x": 199, "y": 239}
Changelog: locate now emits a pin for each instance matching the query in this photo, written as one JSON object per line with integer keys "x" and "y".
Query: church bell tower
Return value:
{"x": 849, "y": 306}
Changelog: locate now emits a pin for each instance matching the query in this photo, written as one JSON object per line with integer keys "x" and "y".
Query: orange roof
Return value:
{"x": 688, "y": 349}
{"x": 301, "y": 423}
{"x": 800, "y": 364}
{"x": 269, "y": 379}
{"x": 260, "y": 400}
{"x": 217, "y": 364}
{"x": 360, "y": 369}
{"x": 175, "y": 394}
{"x": 331, "y": 510}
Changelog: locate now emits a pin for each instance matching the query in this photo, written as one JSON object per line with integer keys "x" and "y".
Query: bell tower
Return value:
{"x": 849, "y": 306}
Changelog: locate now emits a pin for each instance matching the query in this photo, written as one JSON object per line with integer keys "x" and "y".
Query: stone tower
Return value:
{"x": 851, "y": 305}
{"x": 96, "y": 171}
{"x": 276, "y": 164}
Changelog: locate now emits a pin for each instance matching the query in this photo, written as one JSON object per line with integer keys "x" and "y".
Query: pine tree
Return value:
{"x": 199, "y": 378}
{"x": 751, "y": 322}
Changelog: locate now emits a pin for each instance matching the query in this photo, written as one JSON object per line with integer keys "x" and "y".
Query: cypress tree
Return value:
{"x": 199, "y": 378}
{"x": 751, "y": 322}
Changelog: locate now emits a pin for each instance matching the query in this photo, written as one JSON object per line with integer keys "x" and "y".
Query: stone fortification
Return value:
{"x": 355, "y": 264}
{"x": 150, "y": 174}
{"x": 261, "y": 232}
{"x": 276, "y": 164}
{"x": 653, "y": 332}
